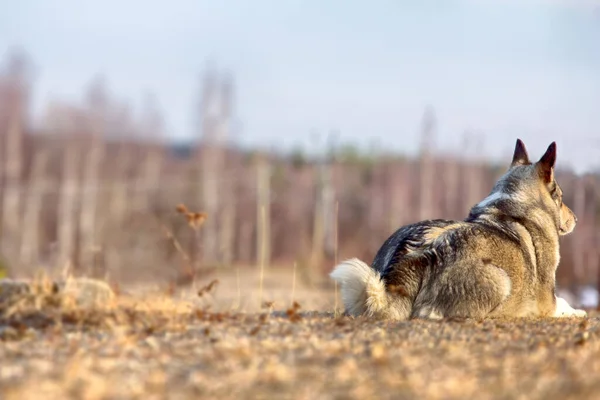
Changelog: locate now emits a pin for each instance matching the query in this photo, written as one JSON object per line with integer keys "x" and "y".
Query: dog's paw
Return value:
{"x": 580, "y": 313}
{"x": 564, "y": 310}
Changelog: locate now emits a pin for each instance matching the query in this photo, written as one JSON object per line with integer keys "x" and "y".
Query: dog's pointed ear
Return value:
{"x": 545, "y": 165}
{"x": 520, "y": 157}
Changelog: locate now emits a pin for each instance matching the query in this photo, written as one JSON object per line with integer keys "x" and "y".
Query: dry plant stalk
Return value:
{"x": 294, "y": 282}
{"x": 175, "y": 243}
{"x": 268, "y": 304}
{"x": 239, "y": 292}
{"x": 208, "y": 288}
{"x": 292, "y": 312}
{"x": 194, "y": 219}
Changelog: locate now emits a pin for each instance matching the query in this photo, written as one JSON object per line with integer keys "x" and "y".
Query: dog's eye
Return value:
{"x": 555, "y": 193}
{"x": 558, "y": 197}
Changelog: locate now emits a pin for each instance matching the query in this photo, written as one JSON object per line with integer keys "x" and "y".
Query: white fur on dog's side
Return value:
{"x": 363, "y": 291}
{"x": 564, "y": 310}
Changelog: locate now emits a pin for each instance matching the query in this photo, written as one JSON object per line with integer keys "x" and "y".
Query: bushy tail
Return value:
{"x": 363, "y": 292}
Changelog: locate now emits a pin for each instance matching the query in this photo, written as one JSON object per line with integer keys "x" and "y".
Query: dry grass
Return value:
{"x": 253, "y": 333}
{"x": 193, "y": 344}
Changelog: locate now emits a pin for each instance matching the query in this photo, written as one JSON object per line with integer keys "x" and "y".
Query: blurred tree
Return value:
{"x": 96, "y": 97}
{"x": 14, "y": 106}
{"x": 298, "y": 157}
{"x": 426, "y": 168}
{"x": 96, "y": 100}
{"x": 350, "y": 153}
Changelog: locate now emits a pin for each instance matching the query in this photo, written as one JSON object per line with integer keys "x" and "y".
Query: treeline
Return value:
{"x": 95, "y": 189}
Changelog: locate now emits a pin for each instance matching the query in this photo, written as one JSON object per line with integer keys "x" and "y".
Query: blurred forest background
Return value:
{"x": 96, "y": 189}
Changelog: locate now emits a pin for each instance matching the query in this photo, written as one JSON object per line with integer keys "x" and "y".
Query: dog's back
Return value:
{"x": 407, "y": 240}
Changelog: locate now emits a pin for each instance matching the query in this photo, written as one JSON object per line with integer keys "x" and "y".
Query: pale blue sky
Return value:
{"x": 528, "y": 69}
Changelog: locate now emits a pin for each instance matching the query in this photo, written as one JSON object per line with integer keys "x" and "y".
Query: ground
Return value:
{"x": 151, "y": 344}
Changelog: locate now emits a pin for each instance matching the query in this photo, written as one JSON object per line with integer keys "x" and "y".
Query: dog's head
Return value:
{"x": 532, "y": 192}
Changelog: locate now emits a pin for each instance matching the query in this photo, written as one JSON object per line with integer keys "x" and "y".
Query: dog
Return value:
{"x": 499, "y": 262}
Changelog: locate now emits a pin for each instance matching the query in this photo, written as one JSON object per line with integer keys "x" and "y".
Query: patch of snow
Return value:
{"x": 588, "y": 297}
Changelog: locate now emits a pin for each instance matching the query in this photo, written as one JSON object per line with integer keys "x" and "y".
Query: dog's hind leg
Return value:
{"x": 464, "y": 291}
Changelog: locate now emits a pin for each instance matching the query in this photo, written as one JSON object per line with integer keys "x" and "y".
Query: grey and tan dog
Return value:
{"x": 499, "y": 262}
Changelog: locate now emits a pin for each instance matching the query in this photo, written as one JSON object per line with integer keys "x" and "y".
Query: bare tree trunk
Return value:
{"x": 451, "y": 176}
{"x": 376, "y": 207}
{"x": 68, "y": 200}
{"x": 395, "y": 210}
{"x": 578, "y": 243}
{"x": 119, "y": 202}
{"x": 30, "y": 245}
{"x": 118, "y": 205}
{"x": 426, "y": 166}
{"x": 318, "y": 235}
{"x": 400, "y": 197}
{"x": 596, "y": 229}
{"x": 227, "y": 213}
{"x": 87, "y": 221}
{"x": 329, "y": 222}
{"x": 263, "y": 218}
{"x": 227, "y": 234}
{"x": 425, "y": 187}
{"x": 212, "y": 115}
{"x": 146, "y": 184}
{"x": 245, "y": 242}
{"x": 210, "y": 179}
{"x": 473, "y": 173}
{"x": 12, "y": 192}
{"x": 149, "y": 179}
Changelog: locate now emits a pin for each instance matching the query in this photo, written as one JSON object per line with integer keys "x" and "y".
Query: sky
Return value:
{"x": 506, "y": 69}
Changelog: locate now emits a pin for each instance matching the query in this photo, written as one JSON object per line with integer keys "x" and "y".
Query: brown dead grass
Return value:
{"x": 149, "y": 345}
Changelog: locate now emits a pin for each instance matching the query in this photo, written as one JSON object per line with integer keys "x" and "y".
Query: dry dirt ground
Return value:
{"x": 150, "y": 345}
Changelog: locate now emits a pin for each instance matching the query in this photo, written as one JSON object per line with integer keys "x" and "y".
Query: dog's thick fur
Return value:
{"x": 499, "y": 262}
